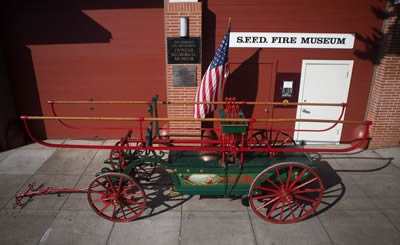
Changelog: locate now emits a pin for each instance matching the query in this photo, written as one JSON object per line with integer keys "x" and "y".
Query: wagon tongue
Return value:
{"x": 32, "y": 191}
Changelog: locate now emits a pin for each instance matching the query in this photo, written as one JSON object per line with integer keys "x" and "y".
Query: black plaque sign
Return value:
{"x": 183, "y": 50}
{"x": 184, "y": 76}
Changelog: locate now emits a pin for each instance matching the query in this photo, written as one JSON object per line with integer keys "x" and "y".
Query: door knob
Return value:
{"x": 305, "y": 111}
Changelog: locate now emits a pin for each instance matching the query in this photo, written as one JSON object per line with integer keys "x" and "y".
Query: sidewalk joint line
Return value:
{"x": 325, "y": 229}
{"x": 109, "y": 234}
{"x": 180, "y": 228}
{"x": 391, "y": 159}
{"x": 390, "y": 222}
{"x": 252, "y": 228}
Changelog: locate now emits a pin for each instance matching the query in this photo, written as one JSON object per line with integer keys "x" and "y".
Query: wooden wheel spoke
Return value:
{"x": 144, "y": 170}
{"x": 279, "y": 176}
{"x": 111, "y": 184}
{"x": 133, "y": 202}
{"x": 298, "y": 205}
{"x": 304, "y": 184}
{"x": 108, "y": 189}
{"x": 266, "y": 189}
{"x": 285, "y": 141}
{"x": 265, "y": 196}
{"x": 273, "y": 209}
{"x": 113, "y": 212}
{"x": 114, "y": 154}
{"x": 305, "y": 199}
{"x": 297, "y": 179}
{"x": 128, "y": 188}
{"x": 121, "y": 154}
{"x": 106, "y": 206}
{"x": 268, "y": 203}
{"x": 122, "y": 210}
{"x": 283, "y": 205}
{"x": 291, "y": 210}
{"x": 98, "y": 192}
{"x": 119, "y": 185}
{"x": 102, "y": 200}
{"x": 306, "y": 191}
{"x": 131, "y": 209}
{"x": 270, "y": 181}
{"x": 276, "y": 139}
{"x": 288, "y": 177}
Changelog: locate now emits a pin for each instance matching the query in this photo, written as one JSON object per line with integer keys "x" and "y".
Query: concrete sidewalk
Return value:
{"x": 361, "y": 205}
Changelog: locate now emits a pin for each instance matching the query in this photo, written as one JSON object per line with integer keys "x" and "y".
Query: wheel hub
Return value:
{"x": 115, "y": 199}
{"x": 286, "y": 195}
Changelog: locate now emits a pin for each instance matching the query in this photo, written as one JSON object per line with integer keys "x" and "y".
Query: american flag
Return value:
{"x": 211, "y": 84}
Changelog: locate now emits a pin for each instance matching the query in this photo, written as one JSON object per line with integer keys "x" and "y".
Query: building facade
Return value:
{"x": 123, "y": 51}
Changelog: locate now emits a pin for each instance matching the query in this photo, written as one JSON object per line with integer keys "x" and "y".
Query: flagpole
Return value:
{"x": 227, "y": 70}
{"x": 211, "y": 83}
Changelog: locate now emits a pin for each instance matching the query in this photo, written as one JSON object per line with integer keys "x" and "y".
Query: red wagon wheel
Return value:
{"x": 280, "y": 138}
{"x": 285, "y": 193}
{"x": 274, "y": 138}
{"x": 119, "y": 156}
{"x": 145, "y": 170}
{"x": 116, "y": 197}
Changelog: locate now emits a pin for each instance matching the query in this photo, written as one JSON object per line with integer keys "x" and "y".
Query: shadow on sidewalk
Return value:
{"x": 334, "y": 188}
{"x": 157, "y": 192}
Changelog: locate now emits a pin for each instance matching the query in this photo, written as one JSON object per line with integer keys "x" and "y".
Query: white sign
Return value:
{"x": 291, "y": 40}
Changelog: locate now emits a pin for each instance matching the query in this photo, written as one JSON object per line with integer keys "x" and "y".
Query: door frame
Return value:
{"x": 302, "y": 84}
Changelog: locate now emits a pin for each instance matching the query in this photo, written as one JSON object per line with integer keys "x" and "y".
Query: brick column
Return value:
{"x": 173, "y": 12}
{"x": 384, "y": 108}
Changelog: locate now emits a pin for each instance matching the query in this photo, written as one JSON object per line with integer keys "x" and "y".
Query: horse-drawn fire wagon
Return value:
{"x": 238, "y": 159}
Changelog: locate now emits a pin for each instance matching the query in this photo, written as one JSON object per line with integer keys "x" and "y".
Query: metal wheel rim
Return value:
{"x": 286, "y": 202}
{"x": 116, "y": 197}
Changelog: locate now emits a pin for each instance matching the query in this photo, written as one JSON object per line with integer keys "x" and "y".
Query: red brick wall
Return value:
{"x": 100, "y": 50}
{"x": 173, "y": 11}
{"x": 384, "y": 109}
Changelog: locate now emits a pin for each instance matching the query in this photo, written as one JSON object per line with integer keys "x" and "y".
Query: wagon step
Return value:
{"x": 38, "y": 191}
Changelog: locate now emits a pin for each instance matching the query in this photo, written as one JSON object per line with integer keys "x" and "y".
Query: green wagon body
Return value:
{"x": 184, "y": 164}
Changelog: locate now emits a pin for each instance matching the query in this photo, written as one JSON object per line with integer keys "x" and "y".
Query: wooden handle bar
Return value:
{"x": 189, "y": 102}
{"x": 191, "y": 119}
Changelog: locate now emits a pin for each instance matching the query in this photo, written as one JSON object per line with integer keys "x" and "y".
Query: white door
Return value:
{"x": 322, "y": 81}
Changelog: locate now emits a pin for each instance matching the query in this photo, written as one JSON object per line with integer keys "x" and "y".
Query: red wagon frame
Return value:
{"x": 228, "y": 144}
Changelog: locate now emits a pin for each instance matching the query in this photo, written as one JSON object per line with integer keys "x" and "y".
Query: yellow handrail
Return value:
{"x": 191, "y": 119}
{"x": 190, "y": 102}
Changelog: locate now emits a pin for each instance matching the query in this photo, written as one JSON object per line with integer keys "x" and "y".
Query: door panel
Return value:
{"x": 322, "y": 82}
